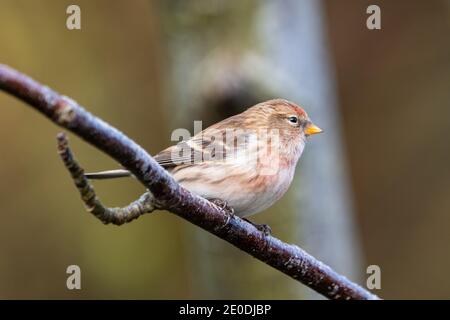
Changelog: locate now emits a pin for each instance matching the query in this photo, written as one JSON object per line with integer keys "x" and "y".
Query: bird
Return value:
{"x": 244, "y": 163}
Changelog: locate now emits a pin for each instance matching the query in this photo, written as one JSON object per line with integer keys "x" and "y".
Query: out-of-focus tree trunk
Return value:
{"x": 295, "y": 42}
{"x": 226, "y": 56}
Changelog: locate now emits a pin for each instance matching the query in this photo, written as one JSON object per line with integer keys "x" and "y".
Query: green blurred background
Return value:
{"x": 373, "y": 189}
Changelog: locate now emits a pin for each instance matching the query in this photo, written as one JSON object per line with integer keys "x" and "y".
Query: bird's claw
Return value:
{"x": 264, "y": 228}
{"x": 222, "y": 204}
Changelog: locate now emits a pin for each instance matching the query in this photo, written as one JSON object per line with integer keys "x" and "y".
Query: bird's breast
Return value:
{"x": 247, "y": 189}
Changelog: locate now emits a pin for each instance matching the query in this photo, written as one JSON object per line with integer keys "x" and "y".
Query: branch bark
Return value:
{"x": 169, "y": 195}
{"x": 117, "y": 216}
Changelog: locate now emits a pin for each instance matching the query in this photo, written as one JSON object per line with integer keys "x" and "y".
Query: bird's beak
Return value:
{"x": 311, "y": 128}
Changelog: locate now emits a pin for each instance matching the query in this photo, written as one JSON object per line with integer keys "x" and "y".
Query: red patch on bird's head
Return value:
{"x": 284, "y": 104}
{"x": 299, "y": 110}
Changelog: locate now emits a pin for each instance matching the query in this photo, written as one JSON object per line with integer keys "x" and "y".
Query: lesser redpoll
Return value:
{"x": 247, "y": 161}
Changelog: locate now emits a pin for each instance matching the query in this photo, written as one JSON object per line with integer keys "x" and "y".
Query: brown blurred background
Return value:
{"x": 374, "y": 189}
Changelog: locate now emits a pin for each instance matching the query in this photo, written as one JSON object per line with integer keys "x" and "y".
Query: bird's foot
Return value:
{"x": 229, "y": 211}
{"x": 222, "y": 204}
{"x": 264, "y": 228}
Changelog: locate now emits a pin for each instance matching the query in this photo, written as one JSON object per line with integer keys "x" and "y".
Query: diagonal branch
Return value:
{"x": 169, "y": 195}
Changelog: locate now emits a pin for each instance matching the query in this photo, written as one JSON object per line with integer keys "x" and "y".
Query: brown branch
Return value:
{"x": 169, "y": 195}
{"x": 117, "y": 216}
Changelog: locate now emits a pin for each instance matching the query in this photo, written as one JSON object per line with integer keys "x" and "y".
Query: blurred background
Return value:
{"x": 374, "y": 189}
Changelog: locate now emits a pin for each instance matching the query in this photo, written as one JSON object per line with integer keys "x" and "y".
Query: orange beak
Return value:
{"x": 311, "y": 129}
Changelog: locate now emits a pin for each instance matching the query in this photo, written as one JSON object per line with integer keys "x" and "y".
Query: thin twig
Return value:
{"x": 169, "y": 195}
{"x": 117, "y": 216}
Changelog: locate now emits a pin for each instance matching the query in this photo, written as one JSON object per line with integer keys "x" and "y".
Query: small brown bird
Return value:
{"x": 245, "y": 162}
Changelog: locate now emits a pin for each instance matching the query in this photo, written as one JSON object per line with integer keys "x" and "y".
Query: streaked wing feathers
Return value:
{"x": 209, "y": 145}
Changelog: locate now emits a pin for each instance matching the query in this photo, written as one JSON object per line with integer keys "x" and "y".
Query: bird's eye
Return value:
{"x": 293, "y": 119}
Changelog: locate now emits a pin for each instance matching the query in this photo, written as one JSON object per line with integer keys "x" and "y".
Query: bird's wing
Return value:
{"x": 209, "y": 145}
{"x": 220, "y": 142}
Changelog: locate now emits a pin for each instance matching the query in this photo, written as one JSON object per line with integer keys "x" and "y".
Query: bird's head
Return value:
{"x": 287, "y": 122}
{"x": 292, "y": 121}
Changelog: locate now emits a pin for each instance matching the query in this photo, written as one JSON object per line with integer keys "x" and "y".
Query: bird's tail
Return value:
{"x": 110, "y": 174}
